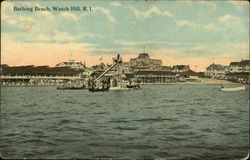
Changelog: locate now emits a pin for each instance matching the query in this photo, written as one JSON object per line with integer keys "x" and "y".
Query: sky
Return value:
{"x": 195, "y": 33}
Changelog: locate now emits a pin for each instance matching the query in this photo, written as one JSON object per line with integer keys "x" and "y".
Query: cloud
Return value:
{"x": 211, "y": 27}
{"x": 133, "y": 43}
{"x": 18, "y": 18}
{"x": 155, "y": 10}
{"x": 212, "y": 4}
{"x": 232, "y": 22}
{"x": 24, "y": 18}
{"x": 63, "y": 37}
{"x": 7, "y": 19}
{"x": 152, "y": 10}
{"x": 226, "y": 18}
{"x": 187, "y": 2}
{"x": 116, "y": 4}
{"x": 28, "y": 26}
{"x": 22, "y": 22}
{"x": 238, "y": 4}
{"x": 47, "y": 15}
{"x": 185, "y": 23}
{"x": 200, "y": 50}
{"x": 106, "y": 12}
{"x": 21, "y": 53}
{"x": 43, "y": 37}
{"x": 69, "y": 15}
{"x": 6, "y": 5}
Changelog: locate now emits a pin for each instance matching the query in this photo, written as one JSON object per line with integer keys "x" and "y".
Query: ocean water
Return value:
{"x": 158, "y": 121}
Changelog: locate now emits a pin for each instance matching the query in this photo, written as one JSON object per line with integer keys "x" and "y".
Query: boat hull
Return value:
{"x": 98, "y": 89}
{"x": 121, "y": 89}
{"x": 234, "y": 89}
{"x": 71, "y": 88}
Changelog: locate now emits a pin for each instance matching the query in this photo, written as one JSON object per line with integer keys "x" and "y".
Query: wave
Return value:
{"x": 40, "y": 141}
{"x": 126, "y": 128}
{"x": 154, "y": 119}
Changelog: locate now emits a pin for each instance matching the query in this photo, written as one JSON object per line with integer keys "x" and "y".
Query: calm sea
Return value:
{"x": 158, "y": 121}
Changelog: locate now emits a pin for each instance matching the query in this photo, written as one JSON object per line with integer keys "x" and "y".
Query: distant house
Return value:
{"x": 37, "y": 74}
{"x": 99, "y": 67}
{"x": 144, "y": 62}
{"x": 188, "y": 76}
{"x": 72, "y": 64}
{"x": 126, "y": 68}
{"x": 155, "y": 76}
{"x": 3, "y": 66}
{"x": 238, "y": 67}
{"x": 180, "y": 68}
{"x": 166, "y": 68}
{"x": 216, "y": 71}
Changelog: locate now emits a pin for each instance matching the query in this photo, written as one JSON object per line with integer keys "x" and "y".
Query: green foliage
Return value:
{"x": 239, "y": 75}
{"x": 128, "y": 76}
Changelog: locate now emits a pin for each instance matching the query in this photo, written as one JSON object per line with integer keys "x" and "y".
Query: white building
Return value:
{"x": 238, "y": 67}
{"x": 72, "y": 64}
{"x": 180, "y": 68}
{"x": 216, "y": 71}
{"x": 143, "y": 61}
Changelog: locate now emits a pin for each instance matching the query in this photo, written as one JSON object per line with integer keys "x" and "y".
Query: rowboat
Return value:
{"x": 71, "y": 88}
{"x": 234, "y": 89}
{"x": 246, "y": 158}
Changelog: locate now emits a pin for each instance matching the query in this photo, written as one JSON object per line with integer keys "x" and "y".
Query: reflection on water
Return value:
{"x": 159, "y": 121}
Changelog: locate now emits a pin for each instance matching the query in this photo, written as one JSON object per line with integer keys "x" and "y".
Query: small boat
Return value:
{"x": 246, "y": 158}
{"x": 233, "y": 89}
{"x": 92, "y": 89}
{"x": 120, "y": 89}
{"x": 135, "y": 86}
{"x": 71, "y": 88}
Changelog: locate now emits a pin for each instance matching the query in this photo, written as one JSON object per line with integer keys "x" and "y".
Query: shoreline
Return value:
{"x": 202, "y": 82}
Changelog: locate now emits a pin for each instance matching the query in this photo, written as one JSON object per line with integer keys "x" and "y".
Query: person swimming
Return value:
{"x": 221, "y": 86}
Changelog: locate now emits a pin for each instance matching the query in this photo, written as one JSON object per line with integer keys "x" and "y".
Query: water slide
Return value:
{"x": 105, "y": 72}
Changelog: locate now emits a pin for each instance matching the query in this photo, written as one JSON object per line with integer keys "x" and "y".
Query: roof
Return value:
{"x": 241, "y": 63}
{"x": 245, "y": 62}
{"x": 215, "y": 67}
{"x": 70, "y": 63}
{"x": 143, "y": 55}
{"x": 154, "y": 72}
{"x": 234, "y": 63}
{"x": 38, "y": 69}
{"x": 188, "y": 73}
{"x": 3, "y": 65}
{"x": 179, "y": 67}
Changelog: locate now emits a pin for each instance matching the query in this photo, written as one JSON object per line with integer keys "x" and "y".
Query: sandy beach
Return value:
{"x": 201, "y": 81}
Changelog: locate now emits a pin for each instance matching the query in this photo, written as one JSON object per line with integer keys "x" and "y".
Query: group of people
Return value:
{"x": 93, "y": 86}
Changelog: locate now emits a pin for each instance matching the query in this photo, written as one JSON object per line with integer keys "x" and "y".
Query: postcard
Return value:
{"x": 137, "y": 79}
